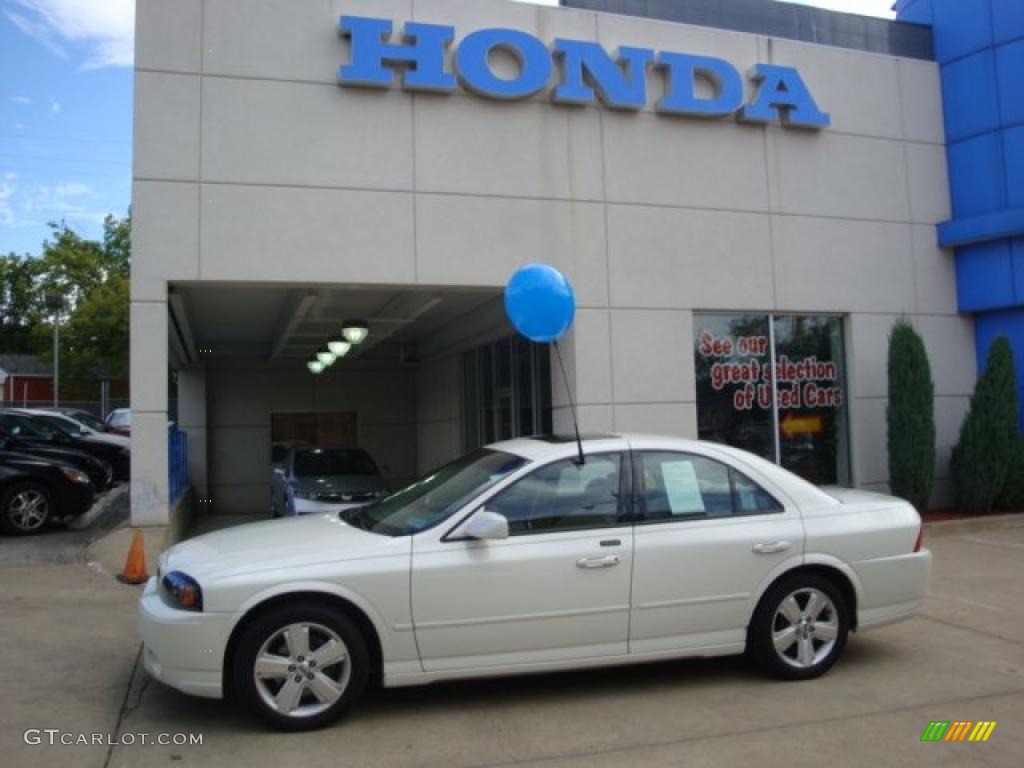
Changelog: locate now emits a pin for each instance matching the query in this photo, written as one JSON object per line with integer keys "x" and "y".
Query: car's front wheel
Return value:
{"x": 25, "y": 508}
{"x": 800, "y": 627}
{"x": 301, "y": 666}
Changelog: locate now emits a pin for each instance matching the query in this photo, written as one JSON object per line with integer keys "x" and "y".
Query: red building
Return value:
{"x": 25, "y": 379}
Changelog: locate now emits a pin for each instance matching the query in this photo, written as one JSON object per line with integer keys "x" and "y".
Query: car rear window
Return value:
{"x": 323, "y": 462}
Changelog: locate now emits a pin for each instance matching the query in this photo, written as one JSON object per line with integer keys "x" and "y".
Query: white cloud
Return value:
{"x": 55, "y": 107}
{"x": 68, "y": 201}
{"x": 105, "y": 28}
{"x": 7, "y": 188}
{"x": 21, "y": 99}
{"x": 38, "y": 31}
{"x": 72, "y": 189}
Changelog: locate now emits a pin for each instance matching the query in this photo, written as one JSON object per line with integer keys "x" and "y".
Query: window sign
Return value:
{"x": 681, "y": 487}
{"x": 775, "y": 386}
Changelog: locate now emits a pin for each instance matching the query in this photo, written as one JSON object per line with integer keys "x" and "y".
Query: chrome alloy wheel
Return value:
{"x": 302, "y": 669}
{"x": 805, "y": 628}
{"x": 28, "y": 510}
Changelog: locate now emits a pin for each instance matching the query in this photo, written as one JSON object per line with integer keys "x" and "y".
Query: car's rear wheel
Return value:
{"x": 25, "y": 508}
{"x": 301, "y": 666}
{"x": 800, "y": 627}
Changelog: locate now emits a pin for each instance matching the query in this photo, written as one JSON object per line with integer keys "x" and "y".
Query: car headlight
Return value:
{"x": 182, "y": 591}
{"x": 75, "y": 475}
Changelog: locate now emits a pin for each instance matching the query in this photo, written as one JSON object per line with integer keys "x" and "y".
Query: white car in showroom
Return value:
{"x": 520, "y": 558}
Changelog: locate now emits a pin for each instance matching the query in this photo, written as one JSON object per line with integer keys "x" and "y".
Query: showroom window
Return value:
{"x": 507, "y": 391}
{"x": 775, "y": 385}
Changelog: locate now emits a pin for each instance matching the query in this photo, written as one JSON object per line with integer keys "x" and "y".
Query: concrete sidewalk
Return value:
{"x": 963, "y": 659}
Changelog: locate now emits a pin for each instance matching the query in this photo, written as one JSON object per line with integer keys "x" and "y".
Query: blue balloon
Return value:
{"x": 540, "y": 303}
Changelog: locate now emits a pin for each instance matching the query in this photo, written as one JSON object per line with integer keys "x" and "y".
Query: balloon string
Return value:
{"x": 572, "y": 404}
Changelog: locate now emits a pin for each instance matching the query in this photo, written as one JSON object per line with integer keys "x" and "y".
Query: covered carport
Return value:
{"x": 425, "y": 385}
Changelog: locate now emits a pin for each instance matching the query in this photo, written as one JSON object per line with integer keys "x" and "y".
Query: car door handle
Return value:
{"x": 598, "y": 562}
{"x": 771, "y": 547}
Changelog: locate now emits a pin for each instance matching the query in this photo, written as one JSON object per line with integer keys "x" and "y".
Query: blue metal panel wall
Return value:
{"x": 979, "y": 45}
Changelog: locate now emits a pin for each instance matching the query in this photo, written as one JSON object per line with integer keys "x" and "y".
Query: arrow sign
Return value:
{"x": 793, "y": 425}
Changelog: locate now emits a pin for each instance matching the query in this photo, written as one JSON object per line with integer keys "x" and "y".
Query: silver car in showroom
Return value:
{"x": 322, "y": 479}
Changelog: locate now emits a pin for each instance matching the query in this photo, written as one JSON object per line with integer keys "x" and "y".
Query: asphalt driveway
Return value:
{"x": 963, "y": 659}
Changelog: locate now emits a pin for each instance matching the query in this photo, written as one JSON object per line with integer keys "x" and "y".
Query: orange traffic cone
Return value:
{"x": 135, "y": 568}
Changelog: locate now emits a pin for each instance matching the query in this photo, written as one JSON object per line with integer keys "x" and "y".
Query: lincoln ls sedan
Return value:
{"x": 533, "y": 555}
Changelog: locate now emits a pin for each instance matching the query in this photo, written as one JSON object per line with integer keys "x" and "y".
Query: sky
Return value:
{"x": 66, "y": 112}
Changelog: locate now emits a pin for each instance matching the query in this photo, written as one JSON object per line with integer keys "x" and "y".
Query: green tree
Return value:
{"x": 1012, "y": 496}
{"x": 910, "y": 417}
{"x": 71, "y": 265}
{"x": 982, "y": 455}
{"x": 19, "y": 304}
{"x": 117, "y": 244}
{"x": 96, "y": 333}
{"x": 93, "y": 277}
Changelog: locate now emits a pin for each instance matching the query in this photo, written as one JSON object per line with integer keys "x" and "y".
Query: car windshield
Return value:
{"x": 22, "y": 426}
{"x": 87, "y": 419}
{"x": 119, "y": 418}
{"x": 58, "y": 424}
{"x": 325, "y": 462}
{"x": 433, "y": 498}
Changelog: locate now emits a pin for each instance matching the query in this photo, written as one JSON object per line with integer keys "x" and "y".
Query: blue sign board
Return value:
{"x": 586, "y": 73}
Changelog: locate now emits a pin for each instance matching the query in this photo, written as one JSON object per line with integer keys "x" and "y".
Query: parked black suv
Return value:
{"x": 35, "y": 492}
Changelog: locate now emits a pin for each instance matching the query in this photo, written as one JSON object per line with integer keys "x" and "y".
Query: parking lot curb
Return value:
{"x": 974, "y": 524}
{"x": 103, "y": 503}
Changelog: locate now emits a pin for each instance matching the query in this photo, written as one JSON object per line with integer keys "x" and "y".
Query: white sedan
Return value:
{"x": 518, "y": 558}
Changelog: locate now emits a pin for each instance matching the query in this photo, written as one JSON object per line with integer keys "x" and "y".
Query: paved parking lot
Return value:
{"x": 963, "y": 659}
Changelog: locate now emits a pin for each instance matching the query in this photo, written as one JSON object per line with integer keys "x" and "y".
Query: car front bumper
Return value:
{"x": 183, "y": 649}
{"x": 74, "y": 500}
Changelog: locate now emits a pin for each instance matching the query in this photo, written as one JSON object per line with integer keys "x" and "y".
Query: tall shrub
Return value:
{"x": 1012, "y": 496}
{"x": 910, "y": 417}
{"x": 983, "y": 454}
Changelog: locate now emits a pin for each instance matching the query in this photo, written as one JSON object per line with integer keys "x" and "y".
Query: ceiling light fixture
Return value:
{"x": 315, "y": 366}
{"x": 339, "y": 346}
{"x": 355, "y": 331}
{"x": 326, "y": 358}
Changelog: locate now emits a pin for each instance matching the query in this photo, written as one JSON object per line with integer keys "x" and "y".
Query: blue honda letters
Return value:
{"x": 585, "y": 71}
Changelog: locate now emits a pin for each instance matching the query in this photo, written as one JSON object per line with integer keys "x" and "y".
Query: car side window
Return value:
{"x": 563, "y": 496}
{"x": 682, "y": 486}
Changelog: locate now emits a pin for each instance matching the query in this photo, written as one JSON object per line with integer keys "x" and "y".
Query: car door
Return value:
{"x": 708, "y": 535}
{"x": 556, "y": 590}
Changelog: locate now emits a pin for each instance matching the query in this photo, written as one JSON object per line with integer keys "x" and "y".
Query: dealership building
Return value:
{"x": 746, "y": 195}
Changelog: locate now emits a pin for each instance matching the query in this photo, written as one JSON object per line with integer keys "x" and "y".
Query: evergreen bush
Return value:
{"x": 982, "y": 455}
{"x": 910, "y": 417}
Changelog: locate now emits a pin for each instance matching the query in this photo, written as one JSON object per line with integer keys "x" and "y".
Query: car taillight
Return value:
{"x": 920, "y": 539}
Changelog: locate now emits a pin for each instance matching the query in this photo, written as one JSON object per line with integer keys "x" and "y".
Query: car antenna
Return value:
{"x": 572, "y": 404}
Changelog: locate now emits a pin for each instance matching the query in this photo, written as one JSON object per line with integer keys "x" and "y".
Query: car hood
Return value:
{"x": 106, "y": 438}
{"x": 66, "y": 455}
{"x": 339, "y": 483}
{"x": 289, "y": 543}
{"x": 17, "y": 458}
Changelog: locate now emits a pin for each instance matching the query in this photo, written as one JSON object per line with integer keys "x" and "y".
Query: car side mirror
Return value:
{"x": 486, "y": 525}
